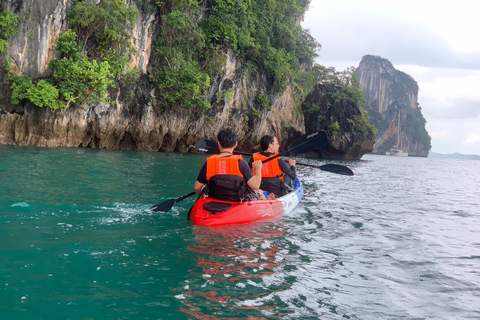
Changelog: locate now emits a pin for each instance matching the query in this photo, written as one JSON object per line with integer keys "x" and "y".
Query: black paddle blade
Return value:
{"x": 308, "y": 143}
{"x": 164, "y": 206}
{"x": 167, "y": 205}
{"x": 336, "y": 168}
{"x": 208, "y": 146}
{"x": 331, "y": 167}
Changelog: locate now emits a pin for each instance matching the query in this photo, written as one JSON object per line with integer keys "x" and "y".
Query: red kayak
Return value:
{"x": 212, "y": 212}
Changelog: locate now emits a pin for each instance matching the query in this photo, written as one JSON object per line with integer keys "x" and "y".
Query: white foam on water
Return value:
{"x": 20, "y": 204}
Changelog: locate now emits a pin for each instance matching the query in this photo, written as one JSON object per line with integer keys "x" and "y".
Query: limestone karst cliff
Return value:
{"x": 224, "y": 77}
{"x": 136, "y": 117}
{"x": 390, "y": 94}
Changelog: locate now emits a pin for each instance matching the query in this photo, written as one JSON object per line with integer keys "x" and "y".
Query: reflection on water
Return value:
{"x": 239, "y": 271}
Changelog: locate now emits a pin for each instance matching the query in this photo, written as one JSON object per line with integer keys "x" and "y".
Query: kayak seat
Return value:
{"x": 216, "y": 207}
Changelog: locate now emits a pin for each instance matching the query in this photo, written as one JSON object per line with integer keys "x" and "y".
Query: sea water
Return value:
{"x": 398, "y": 240}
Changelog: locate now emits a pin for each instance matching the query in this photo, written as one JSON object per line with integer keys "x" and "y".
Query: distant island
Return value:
{"x": 455, "y": 155}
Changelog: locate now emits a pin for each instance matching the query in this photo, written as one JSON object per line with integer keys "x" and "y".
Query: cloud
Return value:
{"x": 473, "y": 138}
{"x": 439, "y": 134}
{"x": 462, "y": 108}
{"x": 454, "y": 135}
{"x": 400, "y": 45}
{"x": 451, "y": 108}
{"x": 350, "y": 34}
{"x": 446, "y": 93}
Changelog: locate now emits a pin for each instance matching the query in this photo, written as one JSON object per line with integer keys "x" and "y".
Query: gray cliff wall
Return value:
{"x": 132, "y": 122}
{"x": 384, "y": 87}
{"x": 390, "y": 94}
{"x": 32, "y": 48}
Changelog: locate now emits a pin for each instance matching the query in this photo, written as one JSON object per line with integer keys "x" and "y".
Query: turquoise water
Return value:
{"x": 399, "y": 240}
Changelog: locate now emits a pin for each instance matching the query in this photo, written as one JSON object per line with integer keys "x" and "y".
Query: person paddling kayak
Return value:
{"x": 228, "y": 177}
{"x": 276, "y": 174}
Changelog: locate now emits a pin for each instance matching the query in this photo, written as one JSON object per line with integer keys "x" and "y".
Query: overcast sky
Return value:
{"x": 437, "y": 42}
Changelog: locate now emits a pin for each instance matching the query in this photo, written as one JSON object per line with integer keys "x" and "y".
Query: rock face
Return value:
{"x": 348, "y": 136}
{"x": 138, "y": 122}
{"x": 391, "y": 98}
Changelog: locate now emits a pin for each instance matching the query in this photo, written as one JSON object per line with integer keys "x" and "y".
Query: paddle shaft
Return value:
{"x": 333, "y": 168}
{"x": 185, "y": 196}
{"x": 216, "y": 149}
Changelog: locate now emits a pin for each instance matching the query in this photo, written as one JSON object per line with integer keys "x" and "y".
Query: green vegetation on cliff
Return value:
{"x": 102, "y": 31}
{"x": 191, "y": 39}
{"x": 181, "y": 72}
{"x": 8, "y": 23}
{"x": 344, "y": 89}
{"x": 416, "y": 123}
{"x": 90, "y": 62}
{"x": 263, "y": 33}
{"x": 75, "y": 79}
{"x": 193, "y": 36}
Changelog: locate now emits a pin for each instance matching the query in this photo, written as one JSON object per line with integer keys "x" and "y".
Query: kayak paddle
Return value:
{"x": 167, "y": 205}
{"x": 308, "y": 143}
{"x": 304, "y": 144}
{"x": 331, "y": 167}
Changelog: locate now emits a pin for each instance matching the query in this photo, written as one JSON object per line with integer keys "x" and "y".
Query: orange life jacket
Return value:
{"x": 270, "y": 169}
{"x": 228, "y": 165}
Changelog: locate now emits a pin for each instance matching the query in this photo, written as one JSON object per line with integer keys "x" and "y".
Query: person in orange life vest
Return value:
{"x": 277, "y": 176}
{"x": 225, "y": 169}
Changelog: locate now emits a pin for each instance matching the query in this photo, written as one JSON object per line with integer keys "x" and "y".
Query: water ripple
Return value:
{"x": 398, "y": 240}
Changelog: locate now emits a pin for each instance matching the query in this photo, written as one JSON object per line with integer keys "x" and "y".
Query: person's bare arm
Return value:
{"x": 256, "y": 180}
{"x": 198, "y": 187}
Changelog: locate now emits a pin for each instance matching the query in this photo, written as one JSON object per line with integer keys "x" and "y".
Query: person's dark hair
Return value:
{"x": 227, "y": 138}
{"x": 265, "y": 142}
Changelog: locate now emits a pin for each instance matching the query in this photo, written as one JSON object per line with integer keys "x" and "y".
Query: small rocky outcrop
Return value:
{"x": 349, "y": 135}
